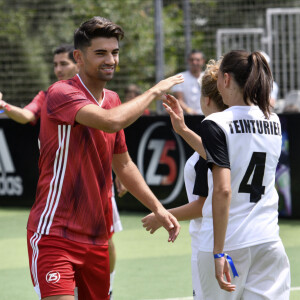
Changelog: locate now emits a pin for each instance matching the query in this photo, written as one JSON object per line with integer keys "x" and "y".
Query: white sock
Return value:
{"x": 112, "y": 277}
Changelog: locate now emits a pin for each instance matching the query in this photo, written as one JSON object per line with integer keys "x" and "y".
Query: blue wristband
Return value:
{"x": 230, "y": 261}
{"x": 219, "y": 255}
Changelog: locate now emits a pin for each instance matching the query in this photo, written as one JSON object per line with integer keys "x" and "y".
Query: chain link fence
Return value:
{"x": 31, "y": 30}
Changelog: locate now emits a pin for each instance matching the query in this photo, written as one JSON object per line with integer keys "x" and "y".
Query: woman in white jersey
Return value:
{"x": 240, "y": 214}
{"x": 195, "y": 171}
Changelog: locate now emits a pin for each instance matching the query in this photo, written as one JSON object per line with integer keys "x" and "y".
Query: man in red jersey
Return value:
{"x": 65, "y": 67}
{"x": 82, "y": 139}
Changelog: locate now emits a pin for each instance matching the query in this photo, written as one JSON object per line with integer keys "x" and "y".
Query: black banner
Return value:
{"x": 19, "y": 155}
{"x": 159, "y": 153}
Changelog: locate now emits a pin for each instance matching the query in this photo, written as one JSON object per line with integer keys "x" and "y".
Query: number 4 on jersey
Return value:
{"x": 257, "y": 169}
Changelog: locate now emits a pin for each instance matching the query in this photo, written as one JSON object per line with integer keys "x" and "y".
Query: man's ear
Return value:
{"x": 77, "y": 54}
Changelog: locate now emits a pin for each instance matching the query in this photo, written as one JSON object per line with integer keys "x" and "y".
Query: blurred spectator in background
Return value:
{"x": 275, "y": 89}
{"x": 292, "y": 102}
{"x": 188, "y": 93}
{"x": 132, "y": 91}
{"x": 64, "y": 66}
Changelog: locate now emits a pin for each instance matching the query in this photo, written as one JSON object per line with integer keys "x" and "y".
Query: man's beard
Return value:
{"x": 104, "y": 77}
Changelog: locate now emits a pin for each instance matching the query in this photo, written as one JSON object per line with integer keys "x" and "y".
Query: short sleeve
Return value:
{"x": 201, "y": 185}
{"x": 214, "y": 142}
{"x": 64, "y": 101}
{"x": 36, "y": 104}
{"x": 120, "y": 143}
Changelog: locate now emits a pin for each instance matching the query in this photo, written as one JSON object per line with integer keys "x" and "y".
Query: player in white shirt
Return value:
{"x": 240, "y": 215}
{"x": 195, "y": 171}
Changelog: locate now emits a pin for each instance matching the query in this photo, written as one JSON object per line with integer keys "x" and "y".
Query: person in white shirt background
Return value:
{"x": 188, "y": 93}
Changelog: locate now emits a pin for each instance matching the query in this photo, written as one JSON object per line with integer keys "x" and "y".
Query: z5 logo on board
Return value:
{"x": 161, "y": 161}
{"x": 9, "y": 185}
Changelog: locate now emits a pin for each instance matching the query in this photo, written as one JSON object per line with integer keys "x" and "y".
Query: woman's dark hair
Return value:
{"x": 96, "y": 27}
{"x": 252, "y": 74}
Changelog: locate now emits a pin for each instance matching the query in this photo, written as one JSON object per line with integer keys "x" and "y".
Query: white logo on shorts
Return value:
{"x": 52, "y": 277}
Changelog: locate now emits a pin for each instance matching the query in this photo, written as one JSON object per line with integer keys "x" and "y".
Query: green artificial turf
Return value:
{"x": 148, "y": 267}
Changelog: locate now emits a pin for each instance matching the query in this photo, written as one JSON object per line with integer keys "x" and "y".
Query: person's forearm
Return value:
{"x": 188, "y": 211}
{"x": 117, "y": 118}
{"x": 114, "y": 119}
{"x": 132, "y": 179}
{"x": 194, "y": 140}
{"x": 220, "y": 209}
{"x": 20, "y": 115}
{"x": 132, "y": 110}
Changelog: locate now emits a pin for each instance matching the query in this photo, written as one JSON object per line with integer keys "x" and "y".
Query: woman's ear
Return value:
{"x": 227, "y": 79}
{"x": 207, "y": 101}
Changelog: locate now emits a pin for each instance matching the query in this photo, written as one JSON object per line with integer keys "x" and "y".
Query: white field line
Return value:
{"x": 296, "y": 288}
{"x": 184, "y": 298}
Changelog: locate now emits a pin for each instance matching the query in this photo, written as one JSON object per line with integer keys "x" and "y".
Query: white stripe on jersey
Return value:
{"x": 58, "y": 175}
{"x": 62, "y": 176}
{"x": 35, "y": 253}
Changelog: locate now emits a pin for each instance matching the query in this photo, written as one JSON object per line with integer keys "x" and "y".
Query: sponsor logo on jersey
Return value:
{"x": 161, "y": 160}
{"x": 52, "y": 277}
{"x": 10, "y": 184}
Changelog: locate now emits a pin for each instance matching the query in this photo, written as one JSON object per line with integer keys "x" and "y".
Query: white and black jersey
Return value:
{"x": 195, "y": 179}
{"x": 242, "y": 139}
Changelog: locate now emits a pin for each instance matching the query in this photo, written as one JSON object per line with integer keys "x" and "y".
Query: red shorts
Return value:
{"x": 57, "y": 265}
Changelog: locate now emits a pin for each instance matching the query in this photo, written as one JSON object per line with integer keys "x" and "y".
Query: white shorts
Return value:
{"x": 264, "y": 273}
{"x": 116, "y": 217}
{"x": 197, "y": 292}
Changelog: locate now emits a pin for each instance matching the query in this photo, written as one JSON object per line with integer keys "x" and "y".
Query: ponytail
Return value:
{"x": 259, "y": 84}
{"x": 253, "y": 75}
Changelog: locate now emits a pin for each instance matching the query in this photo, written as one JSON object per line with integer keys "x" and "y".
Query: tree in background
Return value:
{"x": 31, "y": 29}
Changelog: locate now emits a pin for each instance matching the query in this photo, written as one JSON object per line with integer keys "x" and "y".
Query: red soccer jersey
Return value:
{"x": 36, "y": 104}
{"x": 75, "y": 167}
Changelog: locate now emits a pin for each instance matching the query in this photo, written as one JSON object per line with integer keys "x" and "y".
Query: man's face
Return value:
{"x": 100, "y": 60}
{"x": 196, "y": 62}
{"x": 64, "y": 67}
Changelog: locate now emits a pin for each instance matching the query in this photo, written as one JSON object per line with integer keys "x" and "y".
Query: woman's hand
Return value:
{"x": 151, "y": 223}
{"x": 173, "y": 108}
